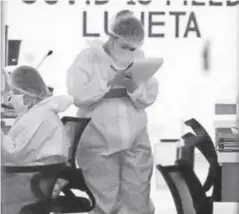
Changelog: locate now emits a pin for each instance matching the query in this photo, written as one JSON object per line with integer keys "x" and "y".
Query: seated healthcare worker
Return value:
{"x": 36, "y": 138}
{"x": 114, "y": 152}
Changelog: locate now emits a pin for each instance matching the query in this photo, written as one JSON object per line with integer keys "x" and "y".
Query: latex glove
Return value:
{"x": 124, "y": 79}
{"x": 128, "y": 83}
{"x": 116, "y": 80}
{"x": 60, "y": 184}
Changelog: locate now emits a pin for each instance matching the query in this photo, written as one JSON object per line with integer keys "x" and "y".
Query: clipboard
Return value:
{"x": 143, "y": 69}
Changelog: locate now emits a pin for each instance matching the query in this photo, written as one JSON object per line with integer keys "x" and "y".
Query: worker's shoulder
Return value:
{"x": 94, "y": 50}
{"x": 47, "y": 118}
{"x": 86, "y": 53}
{"x": 37, "y": 113}
{"x": 33, "y": 118}
{"x": 41, "y": 113}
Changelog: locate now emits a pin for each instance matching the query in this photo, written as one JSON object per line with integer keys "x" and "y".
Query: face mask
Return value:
{"x": 17, "y": 101}
{"x": 123, "y": 57}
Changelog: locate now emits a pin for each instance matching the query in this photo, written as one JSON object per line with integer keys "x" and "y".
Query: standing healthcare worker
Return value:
{"x": 114, "y": 152}
{"x": 36, "y": 138}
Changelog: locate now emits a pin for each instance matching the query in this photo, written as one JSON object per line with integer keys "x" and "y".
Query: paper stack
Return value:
{"x": 228, "y": 143}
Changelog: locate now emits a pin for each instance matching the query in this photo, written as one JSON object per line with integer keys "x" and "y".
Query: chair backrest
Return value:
{"x": 187, "y": 151}
{"x": 74, "y": 127}
{"x": 207, "y": 148}
{"x": 186, "y": 189}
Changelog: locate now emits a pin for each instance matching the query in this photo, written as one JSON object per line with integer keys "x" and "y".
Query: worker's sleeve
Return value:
{"x": 145, "y": 95}
{"x": 84, "y": 82}
{"x": 18, "y": 140}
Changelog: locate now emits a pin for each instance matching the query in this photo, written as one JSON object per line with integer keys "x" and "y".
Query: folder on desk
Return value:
{"x": 229, "y": 143}
{"x": 229, "y": 138}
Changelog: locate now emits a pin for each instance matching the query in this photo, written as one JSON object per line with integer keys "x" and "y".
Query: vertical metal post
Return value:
{"x": 3, "y": 36}
{"x": 237, "y": 114}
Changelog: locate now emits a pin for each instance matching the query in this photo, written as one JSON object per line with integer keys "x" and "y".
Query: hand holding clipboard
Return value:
{"x": 143, "y": 69}
{"x": 134, "y": 74}
{"x": 140, "y": 70}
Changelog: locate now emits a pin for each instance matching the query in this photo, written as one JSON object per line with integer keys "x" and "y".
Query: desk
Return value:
{"x": 228, "y": 157}
{"x": 230, "y": 176}
{"x": 228, "y": 207}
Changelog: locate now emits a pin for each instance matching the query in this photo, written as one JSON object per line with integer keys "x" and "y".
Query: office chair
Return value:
{"x": 203, "y": 142}
{"x": 49, "y": 174}
{"x": 69, "y": 203}
{"x": 186, "y": 189}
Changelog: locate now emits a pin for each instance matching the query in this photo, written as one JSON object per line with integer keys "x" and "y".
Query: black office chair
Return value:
{"x": 206, "y": 145}
{"x": 49, "y": 174}
{"x": 69, "y": 203}
{"x": 203, "y": 142}
{"x": 186, "y": 189}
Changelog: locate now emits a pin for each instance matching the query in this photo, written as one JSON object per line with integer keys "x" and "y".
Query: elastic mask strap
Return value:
{"x": 31, "y": 94}
{"x": 25, "y": 92}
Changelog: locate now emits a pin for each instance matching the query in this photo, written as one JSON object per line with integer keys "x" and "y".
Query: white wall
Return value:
{"x": 185, "y": 89}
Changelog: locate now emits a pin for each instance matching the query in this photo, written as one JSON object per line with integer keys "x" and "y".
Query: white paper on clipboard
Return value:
{"x": 143, "y": 69}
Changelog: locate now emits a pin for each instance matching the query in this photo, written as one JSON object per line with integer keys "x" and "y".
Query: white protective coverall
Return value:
{"x": 114, "y": 152}
{"x": 37, "y": 138}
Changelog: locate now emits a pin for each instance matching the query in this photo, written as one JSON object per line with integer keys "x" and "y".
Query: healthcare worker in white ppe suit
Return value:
{"x": 36, "y": 138}
{"x": 114, "y": 152}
